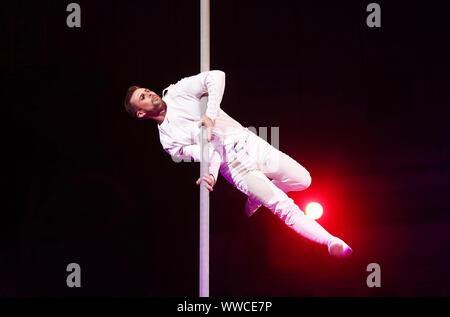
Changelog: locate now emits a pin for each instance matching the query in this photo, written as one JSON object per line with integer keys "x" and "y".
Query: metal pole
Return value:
{"x": 204, "y": 194}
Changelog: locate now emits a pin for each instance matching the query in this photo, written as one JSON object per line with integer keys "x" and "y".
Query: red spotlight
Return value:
{"x": 314, "y": 210}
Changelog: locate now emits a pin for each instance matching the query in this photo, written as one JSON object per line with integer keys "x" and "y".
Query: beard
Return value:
{"x": 158, "y": 106}
{"x": 157, "y": 103}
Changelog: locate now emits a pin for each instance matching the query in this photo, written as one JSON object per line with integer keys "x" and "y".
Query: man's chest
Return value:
{"x": 183, "y": 130}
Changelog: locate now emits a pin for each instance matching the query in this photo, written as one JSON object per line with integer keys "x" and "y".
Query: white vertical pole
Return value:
{"x": 204, "y": 194}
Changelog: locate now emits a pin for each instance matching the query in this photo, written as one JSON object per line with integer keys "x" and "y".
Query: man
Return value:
{"x": 244, "y": 159}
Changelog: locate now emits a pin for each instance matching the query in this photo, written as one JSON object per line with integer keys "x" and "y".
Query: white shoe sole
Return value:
{"x": 340, "y": 249}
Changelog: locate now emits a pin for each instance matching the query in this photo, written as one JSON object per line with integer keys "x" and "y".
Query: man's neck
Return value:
{"x": 162, "y": 114}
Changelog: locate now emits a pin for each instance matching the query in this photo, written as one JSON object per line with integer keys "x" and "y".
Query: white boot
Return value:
{"x": 251, "y": 206}
{"x": 339, "y": 249}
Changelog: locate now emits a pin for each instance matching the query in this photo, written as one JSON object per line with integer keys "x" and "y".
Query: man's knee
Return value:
{"x": 301, "y": 180}
{"x": 307, "y": 180}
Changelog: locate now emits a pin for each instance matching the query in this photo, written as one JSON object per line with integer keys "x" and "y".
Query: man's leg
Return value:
{"x": 286, "y": 173}
{"x": 258, "y": 187}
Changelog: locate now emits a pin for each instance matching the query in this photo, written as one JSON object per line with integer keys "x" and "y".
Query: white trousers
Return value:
{"x": 251, "y": 162}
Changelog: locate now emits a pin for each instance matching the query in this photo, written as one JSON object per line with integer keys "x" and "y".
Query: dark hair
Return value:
{"x": 129, "y": 106}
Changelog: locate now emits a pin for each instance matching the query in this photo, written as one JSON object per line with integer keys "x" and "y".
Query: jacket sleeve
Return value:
{"x": 192, "y": 151}
{"x": 211, "y": 83}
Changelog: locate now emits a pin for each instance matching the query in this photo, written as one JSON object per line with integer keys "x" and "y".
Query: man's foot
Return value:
{"x": 339, "y": 248}
{"x": 251, "y": 206}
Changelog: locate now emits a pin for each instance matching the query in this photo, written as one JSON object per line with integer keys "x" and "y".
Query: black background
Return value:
{"x": 365, "y": 110}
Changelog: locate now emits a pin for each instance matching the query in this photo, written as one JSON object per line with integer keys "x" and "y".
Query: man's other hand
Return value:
{"x": 208, "y": 123}
{"x": 209, "y": 181}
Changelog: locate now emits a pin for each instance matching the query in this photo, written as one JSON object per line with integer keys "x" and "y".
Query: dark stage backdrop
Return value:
{"x": 365, "y": 110}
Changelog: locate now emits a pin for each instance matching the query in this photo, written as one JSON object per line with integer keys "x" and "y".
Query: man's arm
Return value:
{"x": 215, "y": 85}
{"x": 211, "y": 83}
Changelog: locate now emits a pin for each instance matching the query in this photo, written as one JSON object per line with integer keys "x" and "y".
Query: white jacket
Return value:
{"x": 179, "y": 133}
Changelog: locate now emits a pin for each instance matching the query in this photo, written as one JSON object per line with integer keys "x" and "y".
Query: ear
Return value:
{"x": 140, "y": 114}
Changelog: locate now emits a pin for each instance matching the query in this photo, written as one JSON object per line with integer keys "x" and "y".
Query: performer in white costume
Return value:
{"x": 252, "y": 165}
